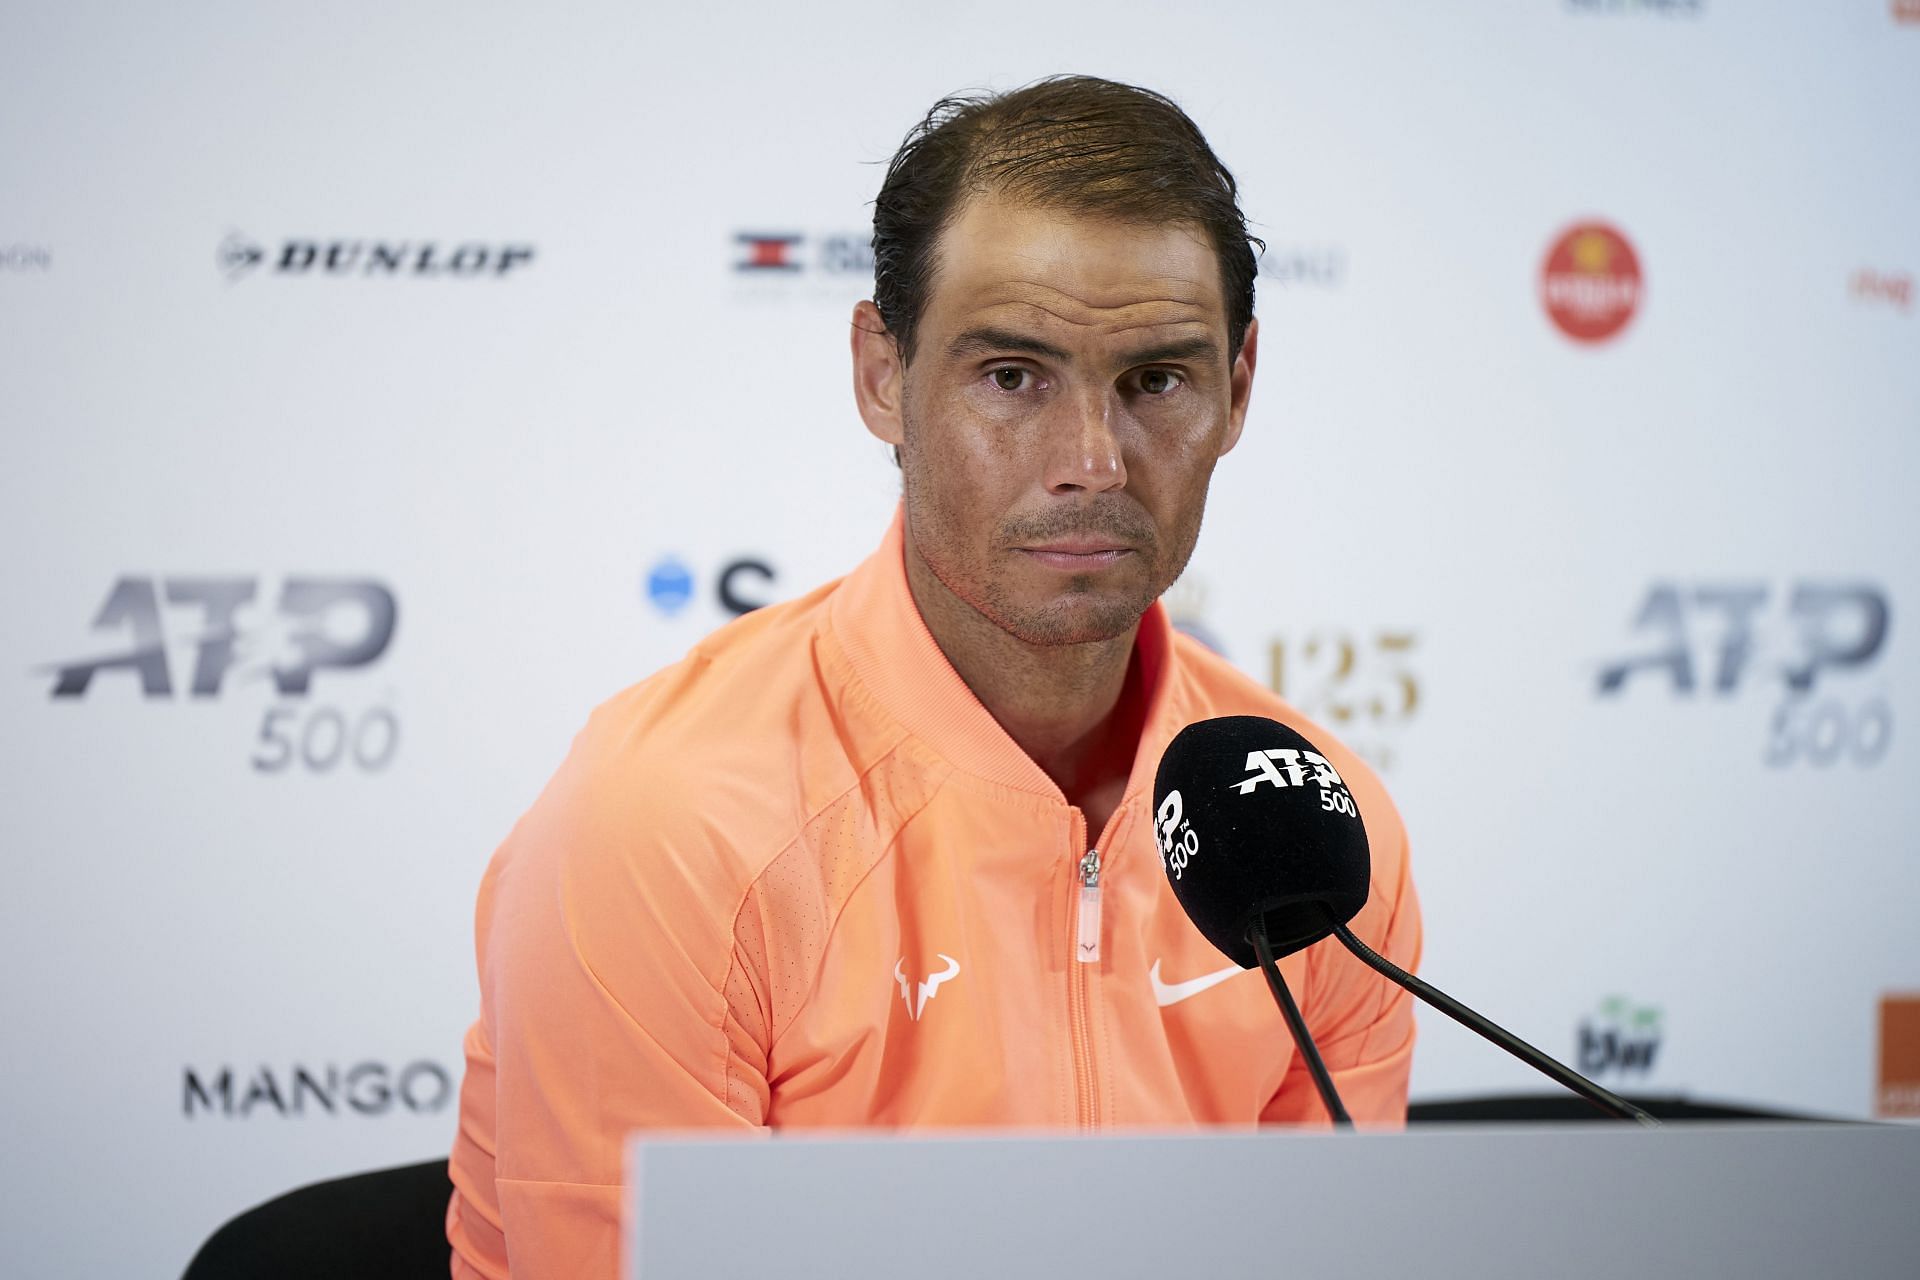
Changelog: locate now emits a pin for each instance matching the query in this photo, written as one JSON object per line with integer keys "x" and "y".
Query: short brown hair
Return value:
{"x": 1076, "y": 143}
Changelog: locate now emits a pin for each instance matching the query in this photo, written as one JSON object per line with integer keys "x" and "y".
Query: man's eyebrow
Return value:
{"x": 1203, "y": 349}
{"x": 986, "y": 341}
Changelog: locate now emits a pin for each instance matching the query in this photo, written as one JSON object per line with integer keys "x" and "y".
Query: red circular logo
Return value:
{"x": 1590, "y": 284}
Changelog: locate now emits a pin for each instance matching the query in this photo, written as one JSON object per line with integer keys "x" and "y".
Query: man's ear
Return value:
{"x": 1240, "y": 382}
{"x": 879, "y": 378}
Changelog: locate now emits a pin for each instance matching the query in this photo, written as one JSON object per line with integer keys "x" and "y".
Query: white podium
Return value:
{"x": 1572, "y": 1201}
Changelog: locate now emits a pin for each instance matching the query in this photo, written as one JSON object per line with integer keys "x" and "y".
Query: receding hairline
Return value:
{"x": 1081, "y": 145}
{"x": 1068, "y": 210}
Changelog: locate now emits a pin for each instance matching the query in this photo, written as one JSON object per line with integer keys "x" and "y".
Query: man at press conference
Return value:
{"x": 884, "y": 855}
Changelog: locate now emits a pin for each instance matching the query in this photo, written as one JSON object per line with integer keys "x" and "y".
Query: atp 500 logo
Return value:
{"x": 1179, "y": 842}
{"x": 1718, "y": 639}
{"x": 232, "y": 639}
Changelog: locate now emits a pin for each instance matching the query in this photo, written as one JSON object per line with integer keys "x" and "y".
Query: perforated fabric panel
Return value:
{"x": 747, "y": 1012}
{"x": 782, "y": 930}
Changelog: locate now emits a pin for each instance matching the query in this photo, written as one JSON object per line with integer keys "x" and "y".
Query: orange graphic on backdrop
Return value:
{"x": 1899, "y": 1091}
{"x": 1590, "y": 283}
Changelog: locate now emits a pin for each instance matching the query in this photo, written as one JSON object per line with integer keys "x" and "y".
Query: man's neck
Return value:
{"x": 1077, "y": 710}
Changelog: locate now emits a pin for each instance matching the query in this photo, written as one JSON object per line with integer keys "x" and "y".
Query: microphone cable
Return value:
{"x": 1605, "y": 1099}
{"x": 1298, "y": 1026}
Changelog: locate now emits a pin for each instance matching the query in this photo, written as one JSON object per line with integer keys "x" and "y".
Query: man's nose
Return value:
{"x": 1083, "y": 449}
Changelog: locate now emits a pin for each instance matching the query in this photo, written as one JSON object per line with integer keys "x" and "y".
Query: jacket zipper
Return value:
{"x": 1086, "y": 931}
{"x": 1088, "y": 948}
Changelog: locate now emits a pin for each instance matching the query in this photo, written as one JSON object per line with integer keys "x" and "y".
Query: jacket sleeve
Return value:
{"x": 1361, "y": 1022}
{"x": 612, "y": 1000}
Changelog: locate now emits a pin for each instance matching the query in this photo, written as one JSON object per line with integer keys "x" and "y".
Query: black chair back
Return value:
{"x": 385, "y": 1225}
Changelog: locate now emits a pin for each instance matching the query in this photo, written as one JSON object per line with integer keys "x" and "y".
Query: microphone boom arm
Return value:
{"x": 1316, "y": 1067}
{"x": 1605, "y": 1099}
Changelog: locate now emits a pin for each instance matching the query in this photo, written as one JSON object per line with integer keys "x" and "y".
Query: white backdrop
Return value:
{"x": 537, "y": 403}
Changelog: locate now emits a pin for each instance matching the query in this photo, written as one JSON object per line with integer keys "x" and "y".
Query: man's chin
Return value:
{"x": 1070, "y": 622}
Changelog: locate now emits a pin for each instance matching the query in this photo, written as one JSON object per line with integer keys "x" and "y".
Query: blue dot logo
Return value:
{"x": 670, "y": 586}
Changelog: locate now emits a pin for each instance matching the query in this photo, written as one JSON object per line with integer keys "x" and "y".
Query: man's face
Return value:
{"x": 1068, "y": 396}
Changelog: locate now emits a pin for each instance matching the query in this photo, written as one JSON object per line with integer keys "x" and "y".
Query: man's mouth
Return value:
{"x": 1076, "y": 556}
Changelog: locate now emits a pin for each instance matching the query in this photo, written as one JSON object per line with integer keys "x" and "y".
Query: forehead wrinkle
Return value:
{"x": 1126, "y": 317}
{"x": 1027, "y": 290}
{"x": 1154, "y": 324}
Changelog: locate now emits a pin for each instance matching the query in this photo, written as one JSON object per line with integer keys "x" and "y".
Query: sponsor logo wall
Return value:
{"x": 1890, "y": 289}
{"x": 364, "y": 1088}
{"x": 1639, "y": 8}
{"x": 361, "y": 438}
{"x": 1620, "y": 1039}
{"x": 26, "y": 258}
{"x": 1899, "y": 1080}
{"x": 1591, "y": 282}
{"x": 846, "y": 254}
{"x": 1716, "y": 640}
{"x": 1314, "y": 266}
{"x": 229, "y": 640}
{"x": 739, "y": 585}
{"x": 239, "y": 256}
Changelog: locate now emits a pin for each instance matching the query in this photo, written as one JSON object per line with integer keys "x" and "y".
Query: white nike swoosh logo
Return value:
{"x": 1165, "y": 993}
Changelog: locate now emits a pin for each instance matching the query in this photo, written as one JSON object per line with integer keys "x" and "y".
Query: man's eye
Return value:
{"x": 1157, "y": 382}
{"x": 1009, "y": 378}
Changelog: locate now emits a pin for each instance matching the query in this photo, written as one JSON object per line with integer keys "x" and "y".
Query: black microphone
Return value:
{"x": 1267, "y": 853}
{"x": 1265, "y": 850}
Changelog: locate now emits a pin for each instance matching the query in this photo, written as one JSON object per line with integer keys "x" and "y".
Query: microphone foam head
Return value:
{"x": 1255, "y": 824}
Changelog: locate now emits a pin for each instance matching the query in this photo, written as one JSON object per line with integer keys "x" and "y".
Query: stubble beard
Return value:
{"x": 1080, "y": 613}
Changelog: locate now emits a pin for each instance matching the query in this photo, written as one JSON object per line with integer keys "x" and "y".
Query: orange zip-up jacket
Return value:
{"x": 802, "y": 878}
